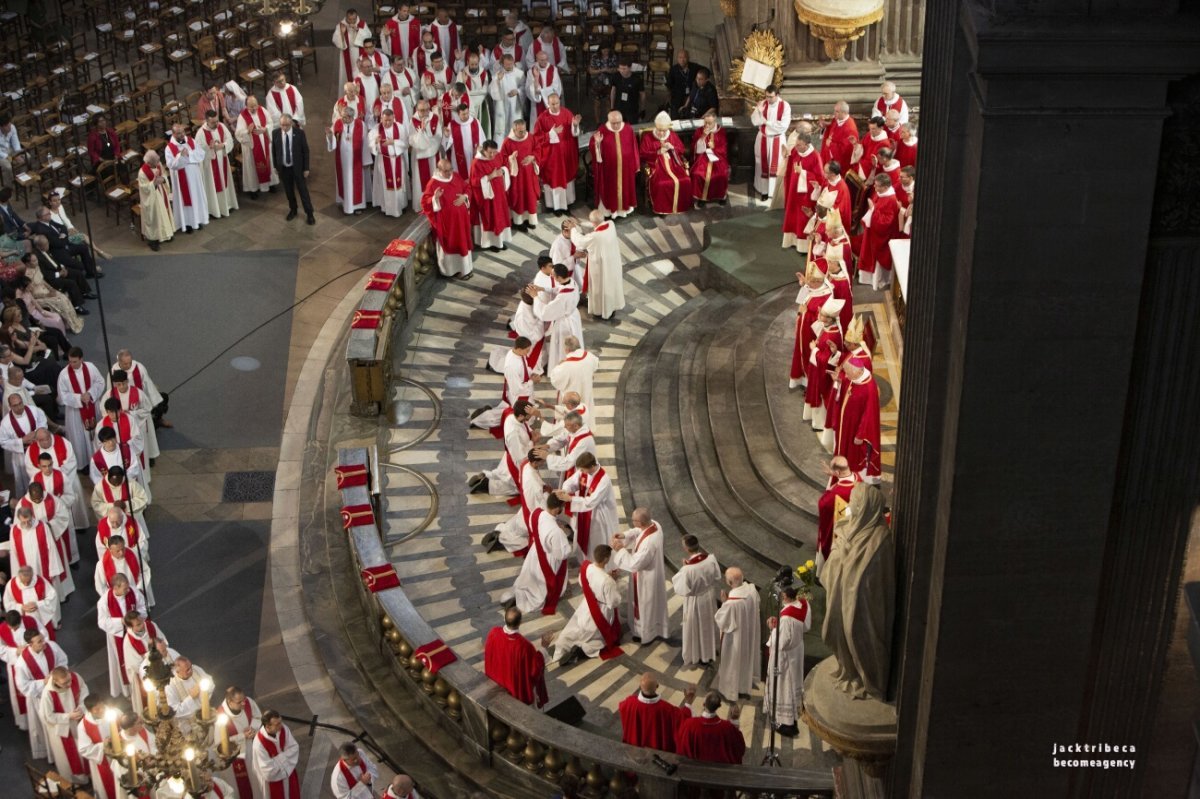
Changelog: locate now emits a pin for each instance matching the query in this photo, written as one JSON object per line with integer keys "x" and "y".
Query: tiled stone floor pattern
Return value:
{"x": 452, "y": 581}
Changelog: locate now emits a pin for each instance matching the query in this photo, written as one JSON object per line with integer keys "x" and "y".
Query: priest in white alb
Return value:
{"x": 576, "y": 371}
{"x": 276, "y": 756}
{"x": 592, "y": 501}
{"x": 284, "y": 98}
{"x": 354, "y": 775}
{"x": 543, "y": 574}
{"x": 17, "y": 429}
{"x": 33, "y": 669}
{"x": 348, "y": 37}
{"x": 424, "y": 145}
{"x": 605, "y": 287}
{"x": 184, "y": 157}
{"x": 187, "y": 691}
{"x": 518, "y": 438}
{"x": 120, "y": 559}
{"x": 139, "y": 406}
{"x": 739, "y": 623}
{"x": 13, "y": 627}
{"x": 32, "y": 544}
{"x": 512, "y": 534}
{"x": 639, "y": 551}
{"x": 33, "y": 595}
{"x": 347, "y": 140}
{"x": 61, "y": 708}
{"x": 91, "y": 737}
{"x": 594, "y": 629}
{"x": 508, "y": 97}
{"x": 519, "y": 381}
{"x": 63, "y": 468}
{"x": 560, "y": 310}
{"x": 243, "y": 720}
{"x": 785, "y": 662}
{"x": 141, "y": 635}
{"x": 80, "y": 387}
{"x": 565, "y": 447}
{"x": 253, "y": 132}
{"x": 389, "y": 148}
{"x": 697, "y": 581}
{"x": 563, "y": 251}
{"x": 217, "y": 141}
{"x": 118, "y": 601}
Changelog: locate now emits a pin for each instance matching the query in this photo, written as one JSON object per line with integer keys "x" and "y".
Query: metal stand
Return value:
{"x": 771, "y": 758}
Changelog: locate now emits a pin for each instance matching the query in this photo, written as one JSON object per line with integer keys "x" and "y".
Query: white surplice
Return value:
{"x": 355, "y": 787}
{"x": 62, "y": 456}
{"x": 32, "y": 675}
{"x": 575, "y": 371}
{"x": 517, "y": 442}
{"x": 507, "y": 107}
{"x": 513, "y": 533}
{"x": 643, "y": 556}
{"x": 581, "y": 630}
{"x": 184, "y": 159}
{"x": 110, "y": 617}
{"x": 57, "y": 725}
{"x": 13, "y": 428}
{"x": 530, "y": 587}
{"x": 601, "y": 500}
{"x": 741, "y": 635}
{"x": 790, "y": 665}
{"x": 606, "y": 278}
{"x": 277, "y": 769}
{"x": 217, "y": 171}
{"x": 698, "y": 581}
{"x": 47, "y": 608}
{"x": 561, "y": 312}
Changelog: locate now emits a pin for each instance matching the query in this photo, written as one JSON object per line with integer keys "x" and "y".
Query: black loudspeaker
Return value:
{"x": 569, "y": 711}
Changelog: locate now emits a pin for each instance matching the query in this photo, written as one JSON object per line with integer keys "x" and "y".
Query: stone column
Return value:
{"x": 1035, "y": 549}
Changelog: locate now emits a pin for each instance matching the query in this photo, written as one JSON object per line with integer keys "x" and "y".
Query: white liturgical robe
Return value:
{"x": 189, "y": 202}
{"x": 642, "y": 557}
{"x": 275, "y": 760}
{"x": 389, "y": 146}
{"x": 73, "y": 385}
{"x": 13, "y": 428}
{"x": 110, "y": 617}
{"x": 32, "y": 674}
{"x": 37, "y": 598}
{"x": 349, "y": 782}
{"x": 517, "y": 441}
{"x": 592, "y": 493}
{"x": 606, "y": 280}
{"x": 241, "y": 728}
{"x": 575, "y": 372}
{"x": 794, "y": 621}
{"x": 581, "y": 629}
{"x": 697, "y": 582}
{"x": 561, "y": 311}
{"x": 218, "y": 176}
{"x": 55, "y": 709}
{"x": 530, "y": 587}
{"x": 513, "y": 533}
{"x": 738, "y": 622}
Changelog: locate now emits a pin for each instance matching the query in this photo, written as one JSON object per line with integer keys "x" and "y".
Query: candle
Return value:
{"x": 111, "y": 715}
{"x": 151, "y": 698}
{"x": 206, "y": 686}
{"x": 189, "y": 755}
{"x": 223, "y": 733}
{"x": 131, "y": 750}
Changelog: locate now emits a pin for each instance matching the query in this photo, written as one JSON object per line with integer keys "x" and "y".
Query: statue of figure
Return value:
{"x": 860, "y": 579}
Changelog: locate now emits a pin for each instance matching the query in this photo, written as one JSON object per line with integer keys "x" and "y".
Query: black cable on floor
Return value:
{"x": 291, "y": 307}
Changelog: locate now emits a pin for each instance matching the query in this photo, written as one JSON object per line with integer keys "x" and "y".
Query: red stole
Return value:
{"x": 88, "y": 410}
{"x": 9, "y": 638}
{"x": 60, "y": 451}
{"x": 102, "y": 464}
{"x": 356, "y": 139}
{"x": 452, "y": 29}
{"x": 240, "y": 773}
{"x": 131, "y": 533}
{"x": 57, "y": 483}
{"x": 769, "y": 158}
{"x": 92, "y": 730}
{"x": 122, "y": 427}
{"x": 125, "y": 497}
{"x": 351, "y": 35}
{"x": 694, "y": 559}
{"x": 110, "y": 569}
{"x": 544, "y": 81}
{"x": 151, "y": 173}
{"x": 47, "y": 507}
{"x": 556, "y": 53}
{"x": 397, "y": 40}
{"x": 273, "y": 750}
{"x": 29, "y": 420}
{"x": 554, "y": 580}
{"x": 291, "y": 96}
{"x": 393, "y": 169}
{"x": 610, "y": 631}
{"x": 185, "y": 189}
{"x": 138, "y": 644}
{"x": 574, "y": 442}
{"x": 583, "y": 527}
{"x": 797, "y": 612}
{"x": 653, "y": 528}
{"x": 43, "y": 545}
{"x": 525, "y": 509}
{"x": 460, "y": 147}
{"x": 348, "y": 775}
{"x": 396, "y": 106}
{"x": 220, "y": 171}
{"x": 35, "y": 668}
{"x": 259, "y": 144}
{"x": 117, "y": 612}
{"x": 68, "y": 740}
{"x": 498, "y": 53}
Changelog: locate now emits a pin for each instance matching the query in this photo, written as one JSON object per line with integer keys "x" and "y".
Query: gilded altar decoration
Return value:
{"x": 760, "y": 66}
{"x": 837, "y": 23}
{"x": 729, "y": 8}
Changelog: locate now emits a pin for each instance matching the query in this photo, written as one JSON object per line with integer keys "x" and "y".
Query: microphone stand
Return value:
{"x": 771, "y": 758}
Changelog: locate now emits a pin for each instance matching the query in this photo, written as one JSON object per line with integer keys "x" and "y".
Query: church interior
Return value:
{"x": 576, "y": 398}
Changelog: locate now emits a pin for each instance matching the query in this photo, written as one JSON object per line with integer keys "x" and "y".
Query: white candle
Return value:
{"x": 223, "y": 733}
{"x": 131, "y": 750}
{"x": 151, "y": 698}
{"x": 189, "y": 755}
{"x": 111, "y": 715}
{"x": 206, "y": 686}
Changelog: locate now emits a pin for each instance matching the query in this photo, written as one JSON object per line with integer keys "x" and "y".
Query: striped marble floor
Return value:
{"x": 442, "y": 377}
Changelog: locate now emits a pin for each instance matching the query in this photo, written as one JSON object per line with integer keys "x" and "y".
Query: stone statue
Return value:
{"x": 860, "y": 580}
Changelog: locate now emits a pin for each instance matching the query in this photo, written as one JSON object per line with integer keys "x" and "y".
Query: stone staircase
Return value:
{"x": 711, "y": 440}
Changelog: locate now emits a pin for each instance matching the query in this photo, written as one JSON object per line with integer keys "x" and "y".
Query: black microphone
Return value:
{"x": 668, "y": 768}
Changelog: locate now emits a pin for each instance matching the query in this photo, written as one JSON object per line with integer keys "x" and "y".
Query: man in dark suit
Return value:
{"x": 68, "y": 280}
{"x": 73, "y": 255}
{"x": 14, "y": 225}
{"x": 290, "y": 148}
{"x": 701, "y": 98}
{"x": 681, "y": 77}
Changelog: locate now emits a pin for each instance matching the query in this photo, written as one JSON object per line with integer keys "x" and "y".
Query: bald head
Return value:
{"x": 649, "y": 684}
{"x": 402, "y": 785}
{"x": 512, "y": 618}
{"x": 641, "y": 517}
{"x": 570, "y": 343}
{"x": 572, "y": 399}
{"x": 840, "y": 466}
{"x": 595, "y": 217}
{"x": 734, "y": 577}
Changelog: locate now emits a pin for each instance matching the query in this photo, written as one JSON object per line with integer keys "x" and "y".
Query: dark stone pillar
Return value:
{"x": 1039, "y": 537}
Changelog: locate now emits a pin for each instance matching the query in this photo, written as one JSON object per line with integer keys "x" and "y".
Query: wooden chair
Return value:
{"x": 115, "y": 194}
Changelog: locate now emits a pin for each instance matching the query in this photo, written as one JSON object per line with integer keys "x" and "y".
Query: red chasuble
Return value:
{"x": 711, "y": 740}
{"x": 491, "y": 215}
{"x": 559, "y": 160}
{"x": 710, "y": 179}
{"x": 452, "y": 223}
{"x": 650, "y": 724}
{"x": 858, "y": 417}
{"x": 804, "y": 172}
{"x": 820, "y": 381}
{"x": 842, "y": 203}
{"x": 615, "y": 166}
{"x": 515, "y": 665}
{"x": 668, "y": 179}
{"x": 882, "y": 224}
{"x": 837, "y": 143}
{"x": 525, "y": 186}
{"x": 804, "y": 331}
{"x": 610, "y": 631}
{"x": 906, "y": 154}
{"x": 357, "y": 135}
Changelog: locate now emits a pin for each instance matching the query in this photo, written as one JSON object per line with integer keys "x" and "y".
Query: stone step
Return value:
{"x": 798, "y": 444}
{"x": 797, "y": 484}
{"x": 761, "y": 551}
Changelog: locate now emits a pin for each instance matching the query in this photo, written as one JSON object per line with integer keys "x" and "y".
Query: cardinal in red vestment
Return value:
{"x": 839, "y": 138}
{"x": 667, "y": 171}
{"x": 858, "y": 436}
{"x": 711, "y": 739}
{"x": 446, "y": 202}
{"x": 514, "y": 663}
{"x": 646, "y": 720}
{"x": 881, "y": 224}
{"x": 803, "y": 181}
{"x": 615, "y": 166}
{"x": 520, "y": 151}
{"x": 710, "y": 161}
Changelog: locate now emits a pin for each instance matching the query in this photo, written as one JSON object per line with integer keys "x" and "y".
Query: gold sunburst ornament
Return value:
{"x": 762, "y": 55}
